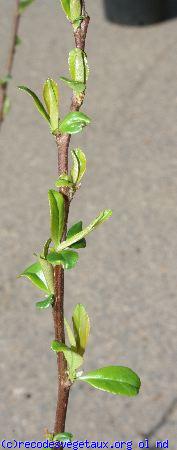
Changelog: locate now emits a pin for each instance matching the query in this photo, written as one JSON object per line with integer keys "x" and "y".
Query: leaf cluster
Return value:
{"x": 60, "y": 248}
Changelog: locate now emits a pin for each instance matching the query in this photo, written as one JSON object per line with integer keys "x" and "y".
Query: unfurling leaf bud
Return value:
{"x": 78, "y": 65}
{"x": 51, "y": 98}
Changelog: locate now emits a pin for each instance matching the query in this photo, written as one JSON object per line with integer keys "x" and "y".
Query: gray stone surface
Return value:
{"x": 127, "y": 277}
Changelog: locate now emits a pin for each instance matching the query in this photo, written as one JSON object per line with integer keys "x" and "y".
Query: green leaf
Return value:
{"x": 74, "y": 360}
{"x": 115, "y": 379}
{"x": 79, "y": 165}
{"x": 5, "y": 79}
{"x": 57, "y": 213}
{"x": 78, "y": 65}
{"x": 81, "y": 326}
{"x": 66, "y": 7}
{"x": 18, "y": 40}
{"x": 51, "y": 98}
{"x": 37, "y": 102}
{"x": 36, "y": 275}
{"x": 64, "y": 181}
{"x": 79, "y": 244}
{"x": 75, "y": 12}
{"x": 48, "y": 273}
{"x": 67, "y": 259}
{"x": 70, "y": 334}
{"x": 76, "y": 228}
{"x": 74, "y": 122}
{"x": 46, "y": 247}
{"x": 6, "y": 106}
{"x": 103, "y": 216}
{"x": 44, "y": 304}
{"x": 74, "y": 85}
{"x": 23, "y": 5}
{"x": 75, "y": 167}
{"x": 63, "y": 437}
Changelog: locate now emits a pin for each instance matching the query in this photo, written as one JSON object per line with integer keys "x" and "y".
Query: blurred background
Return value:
{"x": 126, "y": 278}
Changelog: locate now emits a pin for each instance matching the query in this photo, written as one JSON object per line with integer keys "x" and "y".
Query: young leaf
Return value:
{"x": 63, "y": 437}
{"x": 75, "y": 167}
{"x": 74, "y": 85}
{"x": 5, "y": 79}
{"x": 75, "y": 12}
{"x": 79, "y": 165}
{"x": 76, "y": 228}
{"x": 48, "y": 273}
{"x": 57, "y": 213}
{"x": 18, "y": 40}
{"x": 6, "y": 106}
{"x": 74, "y": 122}
{"x": 46, "y": 247}
{"x": 64, "y": 181}
{"x": 115, "y": 379}
{"x": 103, "y": 216}
{"x": 51, "y": 98}
{"x": 73, "y": 359}
{"x": 67, "y": 258}
{"x": 36, "y": 275}
{"x": 70, "y": 334}
{"x": 23, "y": 5}
{"x": 44, "y": 304}
{"x": 37, "y": 102}
{"x": 81, "y": 326}
{"x": 78, "y": 65}
{"x": 79, "y": 244}
{"x": 66, "y": 7}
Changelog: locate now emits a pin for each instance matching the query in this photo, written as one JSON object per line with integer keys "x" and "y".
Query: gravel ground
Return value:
{"x": 127, "y": 277}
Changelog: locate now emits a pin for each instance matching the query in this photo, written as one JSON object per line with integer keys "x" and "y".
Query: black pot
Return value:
{"x": 135, "y": 12}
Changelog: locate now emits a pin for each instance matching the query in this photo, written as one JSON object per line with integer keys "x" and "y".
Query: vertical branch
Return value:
{"x": 63, "y": 142}
{"x": 10, "y": 59}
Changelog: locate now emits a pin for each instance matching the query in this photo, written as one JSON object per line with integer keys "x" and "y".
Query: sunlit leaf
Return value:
{"x": 51, "y": 98}
{"x": 79, "y": 165}
{"x": 44, "y": 304}
{"x": 75, "y": 167}
{"x": 37, "y": 102}
{"x": 75, "y": 12}
{"x": 67, "y": 258}
{"x": 70, "y": 334}
{"x": 103, "y": 216}
{"x": 74, "y": 360}
{"x": 115, "y": 379}
{"x": 48, "y": 273}
{"x": 66, "y": 7}
{"x": 36, "y": 275}
{"x": 63, "y": 437}
{"x": 81, "y": 326}
{"x": 78, "y": 65}
{"x": 74, "y": 85}
{"x": 76, "y": 228}
{"x": 57, "y": 213}
{"x": 74, "y": 122}
{"x": 64, "y": 181}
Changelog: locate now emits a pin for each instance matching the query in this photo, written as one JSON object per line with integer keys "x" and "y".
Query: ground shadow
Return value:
{"x": 121, "y": 12}
{"x": 158, "y": 425}
{"x": 171, "y": 9}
